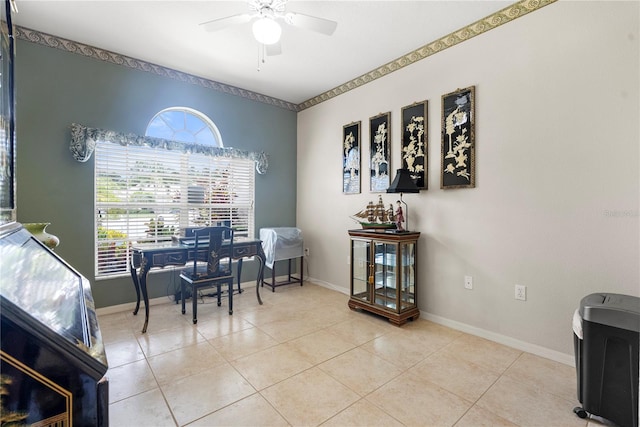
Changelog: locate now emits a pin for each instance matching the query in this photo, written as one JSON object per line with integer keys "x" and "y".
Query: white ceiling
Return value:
{"x": 167, "y": 33}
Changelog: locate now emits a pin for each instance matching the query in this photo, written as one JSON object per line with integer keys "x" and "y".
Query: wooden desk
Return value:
{"x": 149, "y": 255}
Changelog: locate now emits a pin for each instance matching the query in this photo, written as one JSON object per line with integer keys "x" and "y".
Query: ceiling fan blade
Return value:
{"x": 313, "y": 23}
{"x": 273, "y": 49}
{"x": 219, "y": 24}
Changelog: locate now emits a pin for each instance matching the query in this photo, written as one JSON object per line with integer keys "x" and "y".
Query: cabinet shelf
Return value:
{"x": 384, "y": 274}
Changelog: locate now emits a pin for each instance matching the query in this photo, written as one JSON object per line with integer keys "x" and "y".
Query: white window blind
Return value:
{"x": 146, "y": 195}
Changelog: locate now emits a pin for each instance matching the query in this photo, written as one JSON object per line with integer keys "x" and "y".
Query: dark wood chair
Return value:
{"x": 216, "y": 272}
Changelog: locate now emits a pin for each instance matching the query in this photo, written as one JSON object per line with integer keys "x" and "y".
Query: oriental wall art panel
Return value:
{"x": 414, "y": 142}
{"x": 351, "y": 158}
{"x": 458, "y": 139}
{"x": 379, "y": 153}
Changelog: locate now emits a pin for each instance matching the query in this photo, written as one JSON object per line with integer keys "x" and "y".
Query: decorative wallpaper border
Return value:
{"x": 481, "y": 26}
{"x": 137, "y": 64}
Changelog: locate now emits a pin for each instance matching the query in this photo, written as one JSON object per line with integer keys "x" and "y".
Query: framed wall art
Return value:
{"x": 414, "y": 142}
{"x": 379, "y": 152}
{"x": 458, "y": 139}
{"x": 351, "y": 158}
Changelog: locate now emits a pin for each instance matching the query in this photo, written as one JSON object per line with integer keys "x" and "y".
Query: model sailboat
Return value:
{"x": 376, "y": 216}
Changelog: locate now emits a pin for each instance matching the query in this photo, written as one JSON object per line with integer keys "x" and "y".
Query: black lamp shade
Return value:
{"x": 403, "y": 183}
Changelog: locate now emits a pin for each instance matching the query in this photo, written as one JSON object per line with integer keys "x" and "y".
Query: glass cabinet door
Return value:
{"x": 360, "y": 262}
{"x": 408, "y": 276}
{"x": 385, "y": 274}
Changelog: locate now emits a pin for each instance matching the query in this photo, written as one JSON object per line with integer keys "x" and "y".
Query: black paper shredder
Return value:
{"x": 606, "y": 335}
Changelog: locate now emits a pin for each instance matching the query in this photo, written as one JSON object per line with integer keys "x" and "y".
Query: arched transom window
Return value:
{"x": 185, "y": 125}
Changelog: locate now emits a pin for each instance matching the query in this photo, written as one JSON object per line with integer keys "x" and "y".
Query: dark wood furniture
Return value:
{"x": 214, "y": 270}
{"x": 7, "y": 116}
{"x": 53, "y": 361}
{"x": 384, "y": 273}
{"x": 150, "y": 255}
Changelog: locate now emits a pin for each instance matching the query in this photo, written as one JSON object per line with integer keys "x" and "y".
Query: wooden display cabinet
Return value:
{"x": 384, "y": 274}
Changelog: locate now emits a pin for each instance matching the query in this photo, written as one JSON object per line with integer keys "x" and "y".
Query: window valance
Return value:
{"x": 83, "y": 144}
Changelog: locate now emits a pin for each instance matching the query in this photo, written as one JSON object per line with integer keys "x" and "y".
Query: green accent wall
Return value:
{"x": 56, "y": 88}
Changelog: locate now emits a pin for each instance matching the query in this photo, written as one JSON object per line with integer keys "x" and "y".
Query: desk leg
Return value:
{"x": 141, "y": 281}
{"x": 145, "y": 296}
{"x": 239, "y": 275}
{"x": 261, "y": 260}
{"x": 136, "y": 285}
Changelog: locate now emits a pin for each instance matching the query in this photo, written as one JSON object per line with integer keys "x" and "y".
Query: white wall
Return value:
{"x": 556, "y": 201}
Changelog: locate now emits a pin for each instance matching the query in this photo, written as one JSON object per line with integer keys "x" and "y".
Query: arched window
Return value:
{"x": 185, "y": 125}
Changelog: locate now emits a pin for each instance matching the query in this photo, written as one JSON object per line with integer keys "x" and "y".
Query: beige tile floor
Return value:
{"x": 304, "y": 359}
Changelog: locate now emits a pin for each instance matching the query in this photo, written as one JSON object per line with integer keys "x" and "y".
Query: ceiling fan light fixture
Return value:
{"x": 266, "y": 31}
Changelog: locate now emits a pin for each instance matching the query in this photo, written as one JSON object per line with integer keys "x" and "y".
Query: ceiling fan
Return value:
{"x": 266, "y": 29}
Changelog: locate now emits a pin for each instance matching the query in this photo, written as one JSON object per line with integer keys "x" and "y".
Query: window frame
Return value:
{"x": 231, "y": 202}
{"x": 186, "y": 111}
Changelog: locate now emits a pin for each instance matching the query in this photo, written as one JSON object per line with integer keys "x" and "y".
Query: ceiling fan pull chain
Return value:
{"x": 261, "y": 55}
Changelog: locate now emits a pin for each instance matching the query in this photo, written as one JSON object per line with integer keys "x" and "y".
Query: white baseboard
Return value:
{"x": 112, "y": 309}
{"x": 328, "y": 285}
{"x": 315, "y": 281}
{"x": 567, "y": 359}
{"x": 154, "y": 301}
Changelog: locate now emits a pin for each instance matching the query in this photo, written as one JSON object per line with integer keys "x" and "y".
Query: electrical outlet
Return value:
{"x": 306, "y": 251}
{"x": 468, "y": 282}
{"x": 521, "y": 292}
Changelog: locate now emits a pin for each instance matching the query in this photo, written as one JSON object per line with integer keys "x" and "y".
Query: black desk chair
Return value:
{"x": 217, "y": 270}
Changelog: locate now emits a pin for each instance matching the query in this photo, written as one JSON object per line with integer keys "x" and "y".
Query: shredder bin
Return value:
{"x": 606, "y": 335}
